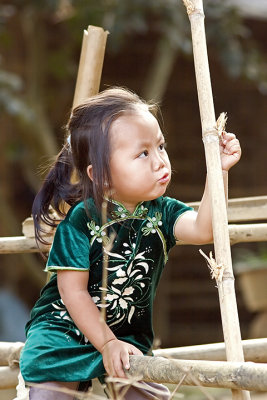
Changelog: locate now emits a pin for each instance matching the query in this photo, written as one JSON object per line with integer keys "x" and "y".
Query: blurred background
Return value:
{"x": 149, "y": 51}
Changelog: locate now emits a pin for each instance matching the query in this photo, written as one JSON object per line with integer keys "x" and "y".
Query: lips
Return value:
{"x": 164, "y": 178}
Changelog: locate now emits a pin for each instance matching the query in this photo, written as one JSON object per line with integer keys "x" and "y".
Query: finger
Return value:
{"x": 125, "y": 360}
{"x": 135, "y": 351}
{"x": 231, "y": 142}
{"x": 227, "y": 136}
{"x": 233, "y": 146}
{"x": 118, "y": 368}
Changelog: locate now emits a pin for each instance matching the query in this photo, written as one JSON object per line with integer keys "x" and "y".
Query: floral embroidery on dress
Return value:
{"x": 61, "y": 313}
{"x": 122, "y": 212}
{"x": 141, "y": 212}
{"x": 98, "y": 232}
{"x": 129, "y": 290}
{"x": 153, "y": 224}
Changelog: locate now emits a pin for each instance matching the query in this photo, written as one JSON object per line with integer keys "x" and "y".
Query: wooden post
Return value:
{"x": 229, "y": 313}
{"x": 91, "y": 64}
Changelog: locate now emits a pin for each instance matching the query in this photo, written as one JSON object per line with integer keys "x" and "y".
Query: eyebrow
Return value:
{"x": 147, "y": 142}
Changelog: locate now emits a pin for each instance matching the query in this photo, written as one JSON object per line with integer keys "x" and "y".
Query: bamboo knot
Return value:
{"x": 216, "y": 270}
{"x": 212, "y": 134}
{"x": 189, "y": 6}
{"x": 191, "y": 9}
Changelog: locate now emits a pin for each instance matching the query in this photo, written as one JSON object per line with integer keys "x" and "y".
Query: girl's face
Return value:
{"x": 139, "y": 163}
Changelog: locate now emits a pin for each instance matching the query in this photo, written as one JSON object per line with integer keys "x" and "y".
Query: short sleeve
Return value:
{"x": 70, "y": 249}
{"x": 172, "y": 210}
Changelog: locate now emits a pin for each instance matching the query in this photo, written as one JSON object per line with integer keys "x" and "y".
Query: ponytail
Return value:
{"x": 56, "y": 189}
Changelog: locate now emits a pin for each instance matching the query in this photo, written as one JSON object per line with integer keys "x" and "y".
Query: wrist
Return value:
{"x": 106, "y": 343}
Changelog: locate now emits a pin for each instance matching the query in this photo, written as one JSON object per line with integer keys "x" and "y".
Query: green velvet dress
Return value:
{"x": 55, "y": 349}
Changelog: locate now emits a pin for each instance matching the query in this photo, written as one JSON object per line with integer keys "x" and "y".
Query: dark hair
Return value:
{"x": 89, "y": 144}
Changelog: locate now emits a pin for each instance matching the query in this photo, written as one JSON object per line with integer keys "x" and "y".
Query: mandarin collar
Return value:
{"x": 121, "y": 211}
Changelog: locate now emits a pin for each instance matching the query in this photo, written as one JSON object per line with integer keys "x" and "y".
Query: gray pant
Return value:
{"x": 147, "y": 391}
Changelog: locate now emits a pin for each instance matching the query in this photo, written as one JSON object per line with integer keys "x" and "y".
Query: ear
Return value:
{"x": 90, "y": 172}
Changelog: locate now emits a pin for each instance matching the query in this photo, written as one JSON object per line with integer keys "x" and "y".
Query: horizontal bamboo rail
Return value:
{"x": 220, "y": 374}
{"x": 10, "y": 353}
{"x": 217, "y": 374}
{"x": 254, "y": 350}
{"x": 20, "y": 244}
{"x": 245, "y": 233}
{"x": 238, "y": 233}
{"x": 243, "y": 209}
{"x": 8, "y": 377}
{"x": 207, "y": 362}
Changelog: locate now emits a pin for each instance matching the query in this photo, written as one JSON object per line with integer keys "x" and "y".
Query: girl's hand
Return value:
{"x": 230, "y": 150}
{"x": 116, "y": 357}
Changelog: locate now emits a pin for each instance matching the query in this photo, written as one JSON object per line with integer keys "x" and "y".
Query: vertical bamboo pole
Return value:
{"x": 91, "y": 63}
{"x": 228, "y": 306}
{"x": 89, "y": 71}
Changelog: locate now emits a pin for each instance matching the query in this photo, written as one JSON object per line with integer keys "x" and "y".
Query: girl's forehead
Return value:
{"x": 141, "y": 118}
{"x": 134, "y": 127}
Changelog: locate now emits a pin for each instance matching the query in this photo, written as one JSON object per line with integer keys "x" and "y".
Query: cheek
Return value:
{"x": 120, "y": 175}
{"x": 167, "y": 160}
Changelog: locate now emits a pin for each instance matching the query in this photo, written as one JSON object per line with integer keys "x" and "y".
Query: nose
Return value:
{"x": 158, "y": 162}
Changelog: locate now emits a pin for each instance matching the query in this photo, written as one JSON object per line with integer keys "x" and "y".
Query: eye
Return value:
{"x": 162, "y": 146}
{"x": 143, "y": 154}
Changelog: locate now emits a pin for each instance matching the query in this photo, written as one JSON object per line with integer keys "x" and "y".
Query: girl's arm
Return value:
{"x": 196, "y": 227}
{"x": 72, "y": 286}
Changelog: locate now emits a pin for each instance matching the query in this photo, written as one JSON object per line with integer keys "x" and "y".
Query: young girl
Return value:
{"x": 117, "y": 150}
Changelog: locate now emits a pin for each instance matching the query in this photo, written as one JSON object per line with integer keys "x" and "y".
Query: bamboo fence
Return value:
{"x": 208, "y": 371}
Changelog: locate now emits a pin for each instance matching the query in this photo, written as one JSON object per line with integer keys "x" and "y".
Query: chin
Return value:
{"x": 158, "y": 195}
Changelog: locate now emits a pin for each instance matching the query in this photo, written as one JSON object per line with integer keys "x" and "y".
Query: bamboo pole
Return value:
{"x": 255, "y": 350}
{"x": 216, "y": 374}
{"x": 220, "y": 374}
{"x": 244, "y": 209}
{"x": 245, "y": 233}
{"x": 10, "y": 353}
{"x": 228, "y": 305}
{"x": 91, "y": 64}
{"x": 8, "y": 377}
{"x": 21, "y": 244}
